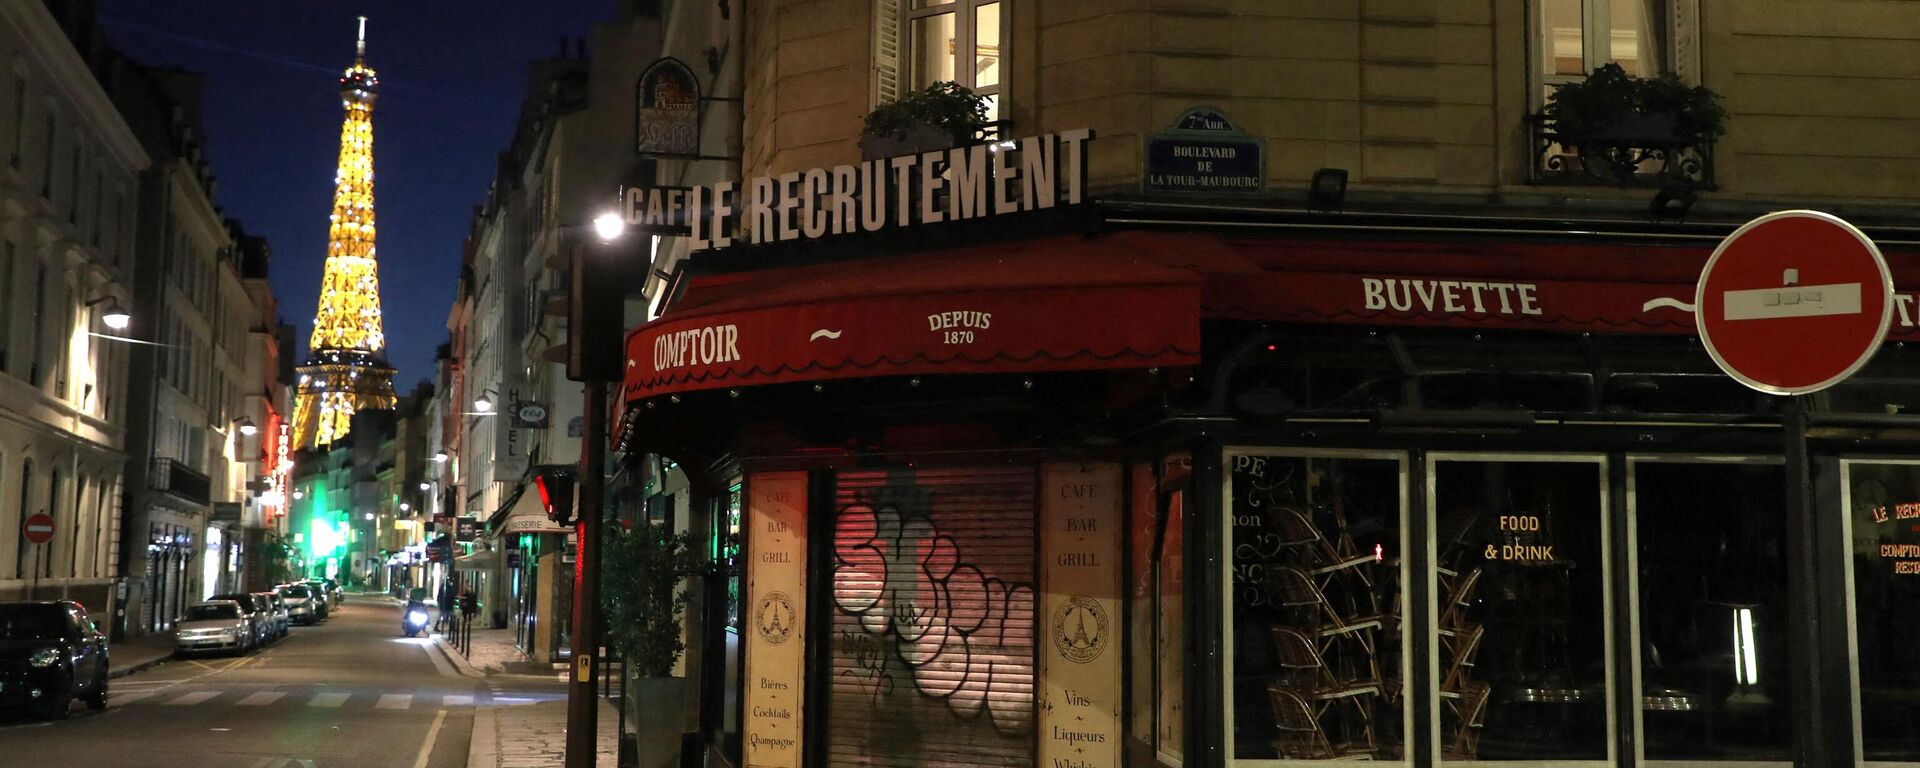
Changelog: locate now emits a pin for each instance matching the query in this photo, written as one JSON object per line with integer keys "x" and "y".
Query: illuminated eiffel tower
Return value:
{"x": 346, "y": 369}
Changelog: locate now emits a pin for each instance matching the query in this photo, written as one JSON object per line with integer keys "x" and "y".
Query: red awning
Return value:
{"x": 1055, "y": 304}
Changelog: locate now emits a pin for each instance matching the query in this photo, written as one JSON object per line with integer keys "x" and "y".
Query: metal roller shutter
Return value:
{"x": 933, "y": 617}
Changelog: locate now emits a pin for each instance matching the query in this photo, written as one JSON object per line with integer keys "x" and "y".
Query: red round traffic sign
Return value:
{"x": 38, "y": 528}
{"x": 1794, "y": 302}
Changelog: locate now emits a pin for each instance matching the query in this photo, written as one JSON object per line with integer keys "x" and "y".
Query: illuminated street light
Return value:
{"x": 609, "y": 226}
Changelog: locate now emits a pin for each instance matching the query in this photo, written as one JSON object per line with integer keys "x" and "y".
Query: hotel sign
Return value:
{"x": 959, "y": 184}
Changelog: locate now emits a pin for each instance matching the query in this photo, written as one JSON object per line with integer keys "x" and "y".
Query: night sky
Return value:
{"x": 451, "y": 78}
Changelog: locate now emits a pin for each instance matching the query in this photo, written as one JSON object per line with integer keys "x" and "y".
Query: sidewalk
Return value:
{"x": 129, "y": 656}
{"x": 530, "y": 735}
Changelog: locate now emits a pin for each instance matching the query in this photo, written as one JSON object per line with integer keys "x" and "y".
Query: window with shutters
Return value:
{"x": 1645, "y": 37}
{"x": 921, "y": 42}
{"x": 932, "y": 639}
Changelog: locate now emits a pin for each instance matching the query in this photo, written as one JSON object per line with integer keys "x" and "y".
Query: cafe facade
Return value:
{"x": 1113, "y": 481}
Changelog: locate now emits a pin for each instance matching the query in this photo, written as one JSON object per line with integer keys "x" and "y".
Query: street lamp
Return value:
{"x": 484, "y": 403}
{"x": 426, "y": 486}
{"x": 248, "y": 428}
{"x": 609, "y": 226}
{"x": 116, "y": 317}
{"x": 439, "y": 457}
{"x": 369, "y": 515}
{"x": 405, "y": 506}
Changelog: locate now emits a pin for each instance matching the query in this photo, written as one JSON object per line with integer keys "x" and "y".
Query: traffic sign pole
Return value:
{"x": 1790, "y": 304}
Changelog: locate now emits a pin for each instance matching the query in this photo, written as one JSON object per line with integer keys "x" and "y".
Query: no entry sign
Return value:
{"x": 38, "y": 528}
{"x": 1794, "y": 302}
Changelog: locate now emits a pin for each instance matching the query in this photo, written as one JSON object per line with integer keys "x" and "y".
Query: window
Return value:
{"x": 20, "y": 521}
{"x": 64, "y": 344}
{"x": 1522, "y": 614}
{"x": 1882, "y": 500}
{"x": 43, "y": 555}
{"x": 73, "y": 187}
{"x": 47, "y": 160}
{"x": 921, "y": 42}
{"x": 36, "y": 375}
{"x": 1317, "y": 660}
{"x": 19, "y": 120}
{"x": 1577, "y": 36}
{"x": 7, "y": 282}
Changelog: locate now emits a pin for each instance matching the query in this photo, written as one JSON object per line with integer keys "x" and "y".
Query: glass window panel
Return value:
{"x": 993, "y": 108}
{"x": 1884, "y": 501}
{"x": 1713, "y": 604}
{"x": 931, "y": 49}
{"x": 1562, "y": 39}
{"x": 1522, "y": 668}
{"x": 1634, "y": 35}
{"x": 986, "y": 33}
{"x": 919, "y": 4}
{"x": 1315, "y": 604}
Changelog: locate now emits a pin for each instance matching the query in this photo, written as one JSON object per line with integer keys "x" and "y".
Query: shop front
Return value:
{"x": 1190, "y": 495}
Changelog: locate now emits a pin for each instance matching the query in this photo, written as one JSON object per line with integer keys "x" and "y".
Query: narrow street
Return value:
{"x": 350, "y": 692}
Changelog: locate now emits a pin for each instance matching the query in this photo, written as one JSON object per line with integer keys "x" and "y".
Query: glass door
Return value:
{"x": 1881, "y": 499}
{"x": 1522, "y": 652}
{"x": 1708, "y": 569}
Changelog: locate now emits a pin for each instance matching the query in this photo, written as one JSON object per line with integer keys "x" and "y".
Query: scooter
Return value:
{"x": 414, "y": 620}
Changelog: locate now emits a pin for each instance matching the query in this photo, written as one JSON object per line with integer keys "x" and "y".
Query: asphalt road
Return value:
{"x": 350, "y": 693}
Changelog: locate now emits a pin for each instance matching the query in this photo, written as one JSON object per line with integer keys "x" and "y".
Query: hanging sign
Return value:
{"x": 1080, "y": 659}
{"x": 1204, "y": 152}
{"x": 959, "y": 184}
{"x": 666, "y": 110}
{"x": 774, "y": 618}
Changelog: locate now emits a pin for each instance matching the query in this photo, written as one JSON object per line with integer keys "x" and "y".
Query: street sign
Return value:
{"x": 1794, "y": 302}
{"x": 39, "y": 528}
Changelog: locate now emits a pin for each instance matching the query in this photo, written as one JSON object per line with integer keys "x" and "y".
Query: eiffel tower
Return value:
{"x": 346, "y": 369}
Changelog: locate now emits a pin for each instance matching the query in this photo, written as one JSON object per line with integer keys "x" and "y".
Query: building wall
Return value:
{"x": 1417, "y": 99}
{"x": 68, "y": 163}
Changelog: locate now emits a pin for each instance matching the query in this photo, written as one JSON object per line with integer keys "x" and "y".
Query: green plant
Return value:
{"x": 946, "y": 105}
{"x": 642, "y": 590}
{"x": 1608, "y": 97}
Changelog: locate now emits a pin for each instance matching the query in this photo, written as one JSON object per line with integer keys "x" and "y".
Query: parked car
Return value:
{"x": 282, "y": 623}
{"x": 301, "y": 605}
{"x": 50, "y": 654}
{"x": 216, "y": 625}
{"x": 259, "y": 617}
{"x": 334, "y": 593}
{"x": 325, "y": 598}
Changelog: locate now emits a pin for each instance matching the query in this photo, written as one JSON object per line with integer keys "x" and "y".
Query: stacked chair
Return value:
{"x": 1329, "y": 694}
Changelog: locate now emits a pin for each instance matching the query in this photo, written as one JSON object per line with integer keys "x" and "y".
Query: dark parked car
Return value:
{"x": 259, "y": 616}
{"x": 51, "y": 654}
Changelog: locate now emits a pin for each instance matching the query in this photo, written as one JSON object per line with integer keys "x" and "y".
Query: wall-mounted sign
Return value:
{"x": 1204, "y": 152}
{"x": 666, "y": 106}
{"x": 468, "y": 529}
{"x": 1080, "y": 611}
{"x": 959, "y": 184}
{"x": 529, "y": 414}
{"x": 774, "y": 618}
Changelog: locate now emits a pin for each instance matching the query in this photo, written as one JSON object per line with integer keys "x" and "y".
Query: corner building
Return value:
{"x": 1331, "y": 411}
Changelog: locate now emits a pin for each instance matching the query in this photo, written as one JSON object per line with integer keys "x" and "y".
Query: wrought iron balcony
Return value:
{"x": 180, "y": 480}
{"x": 1643, "y": 153}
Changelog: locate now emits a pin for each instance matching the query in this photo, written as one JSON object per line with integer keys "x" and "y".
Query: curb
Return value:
{"x": 483, "y": 748}
{"x": 459, "y": 662}
{"x": 119, "y": 672}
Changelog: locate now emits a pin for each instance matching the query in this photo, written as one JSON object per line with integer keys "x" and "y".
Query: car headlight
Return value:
{"x": 418, "y": 617}
{"x": 44, "y": 658}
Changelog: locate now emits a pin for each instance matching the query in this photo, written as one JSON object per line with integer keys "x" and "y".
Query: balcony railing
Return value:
{"x": 180, "y": 480}
{"x": 1637, "y": 156}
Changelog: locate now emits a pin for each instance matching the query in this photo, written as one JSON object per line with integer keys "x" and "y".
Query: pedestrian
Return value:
{"x": 446, "y": 607}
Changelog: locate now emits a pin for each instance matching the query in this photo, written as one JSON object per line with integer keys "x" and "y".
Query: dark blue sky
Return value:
{"x": 451, "y": 75}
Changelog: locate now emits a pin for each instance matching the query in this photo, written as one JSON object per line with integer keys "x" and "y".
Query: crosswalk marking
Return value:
{"x": 328, "y": 699}
{"x": 262, "y": 698}
{"x": 457, "y": 700}
{"x": 395, "y": 701}
{"x": 188, "y": 699}
{"x": 128, "y": 697}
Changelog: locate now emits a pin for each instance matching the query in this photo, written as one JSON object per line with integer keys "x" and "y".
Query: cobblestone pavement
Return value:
{"x": 535, "y": 736}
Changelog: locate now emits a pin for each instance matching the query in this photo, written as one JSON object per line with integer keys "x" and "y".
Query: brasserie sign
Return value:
{"x": 959, "y": 184}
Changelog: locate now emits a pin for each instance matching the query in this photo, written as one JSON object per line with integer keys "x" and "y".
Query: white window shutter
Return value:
{"x": 886, "y": 51}
{"x": 1683, "y": 35}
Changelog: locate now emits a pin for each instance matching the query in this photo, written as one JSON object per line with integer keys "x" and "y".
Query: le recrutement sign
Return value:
{"x": 963, "y": 183}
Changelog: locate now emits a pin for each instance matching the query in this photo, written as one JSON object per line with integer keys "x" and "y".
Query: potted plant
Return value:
{"x": 643, "y": 578}
{"x": 1614, "y": 121}
{"x": 944, "y": 115}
